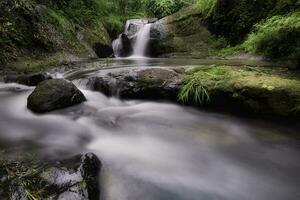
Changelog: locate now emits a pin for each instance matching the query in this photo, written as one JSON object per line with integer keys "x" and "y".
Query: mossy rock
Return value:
{"x": 186, "y": 36}
{"x": 54, "y": 94}
{"x": 40, "y": 29}
{"x": 252, "y": 90}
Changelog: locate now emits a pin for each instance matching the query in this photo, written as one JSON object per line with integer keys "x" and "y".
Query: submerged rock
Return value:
{"x": 139, "y": 83}
{"x": 75, "y": 178}
{"x": 28, "y": 79}
{"x": 54, "y": 94}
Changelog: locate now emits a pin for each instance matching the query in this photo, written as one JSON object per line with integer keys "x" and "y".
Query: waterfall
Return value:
{"x": 117, "y": 46}
{"x": 134, "y": 41}
{"x": 142, "y": 39}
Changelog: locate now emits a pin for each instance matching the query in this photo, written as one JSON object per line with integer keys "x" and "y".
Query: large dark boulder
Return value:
{"x": 74, "y": 178}
{"x": 103, "y": 50}
{"x": 32, "y": 79}
{"x": 54, "y": 94}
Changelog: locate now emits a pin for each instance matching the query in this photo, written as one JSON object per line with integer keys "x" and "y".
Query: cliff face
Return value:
{"x": 38, "y": 29}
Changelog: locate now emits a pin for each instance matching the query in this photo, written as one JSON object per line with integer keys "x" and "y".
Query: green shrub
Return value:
{"x": 161, "y": 8}
{"x": 235, "y": 18}
{"x": 276, "y": 37}
{"x": 206, "y": 6}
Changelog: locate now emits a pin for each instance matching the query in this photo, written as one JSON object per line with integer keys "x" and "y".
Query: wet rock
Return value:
{"x": 27, "y": 79}
{"x": 54, "y": 94}
{"x": 127, "y": 48}
{"x": 75, "y": 178}
{"x": 103, "y": 50}
{"x": 158, "y": 35}
{"x": 133, "y": 26}
{"x": 139, "y": 83}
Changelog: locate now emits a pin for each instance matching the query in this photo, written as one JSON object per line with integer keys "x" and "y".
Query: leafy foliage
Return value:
{"x": 206, "y": 6}
{"x": 161, "y": 8}
{"x": 276, "y": 37}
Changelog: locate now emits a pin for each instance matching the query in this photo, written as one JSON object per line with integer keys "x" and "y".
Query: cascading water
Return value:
{"x": 142, "y": 39}
{"x": 152, "y": 150}
{"x": 134, "y": 41}
{"x": 117, "y": 46}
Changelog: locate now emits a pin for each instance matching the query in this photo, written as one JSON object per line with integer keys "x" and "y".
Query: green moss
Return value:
{"x": 189, "y": 38}
{"x": 40, "y": 29}
{"x": 264, "y": 90}
{"x": 65, "y": 27}
{"x": 96, "y": 33}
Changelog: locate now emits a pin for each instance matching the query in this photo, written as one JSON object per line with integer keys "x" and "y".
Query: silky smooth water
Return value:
{"x": 142, "y": 39}
{"x": 159, "y": 151}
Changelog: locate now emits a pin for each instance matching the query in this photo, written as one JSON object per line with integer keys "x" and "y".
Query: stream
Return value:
{"x": 157, "y": 150}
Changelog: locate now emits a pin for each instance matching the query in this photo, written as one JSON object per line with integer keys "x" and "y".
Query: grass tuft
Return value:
{"x": 193, "y": 90}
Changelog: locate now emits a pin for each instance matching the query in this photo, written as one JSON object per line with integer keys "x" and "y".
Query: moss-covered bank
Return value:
{"x": 33, "y": 30}
{"x": 262, "y": 91}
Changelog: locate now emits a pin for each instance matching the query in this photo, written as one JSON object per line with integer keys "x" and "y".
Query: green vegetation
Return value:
{"x": 162, "y": 8}
{"x": 276, "y": 37}
{"x": 24, "y": 179}
{"x": 206, "y": 7}
{"x": 269, "y": 28}
{"x": 37, "y": 28}
{"x": 193, "y": 89}
{"x": 262, "y": 90}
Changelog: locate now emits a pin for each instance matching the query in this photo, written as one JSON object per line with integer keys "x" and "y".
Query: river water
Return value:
{"x": 158, "y": 151}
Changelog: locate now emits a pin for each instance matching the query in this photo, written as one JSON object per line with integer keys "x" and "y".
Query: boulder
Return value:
{"x": 32, "y": 79}
{"x": 139, "y": 83}
{"x": 184, "y": 35}
{"x": 54, "y": 94}
{"x": 74, "y": 178}
{"x": 103, "y": 50}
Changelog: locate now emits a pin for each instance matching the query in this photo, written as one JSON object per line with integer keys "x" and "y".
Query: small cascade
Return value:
{"x": 117, "y": 46}
{"x": 134, "y": 41}
{"x": 142, "y": 39}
